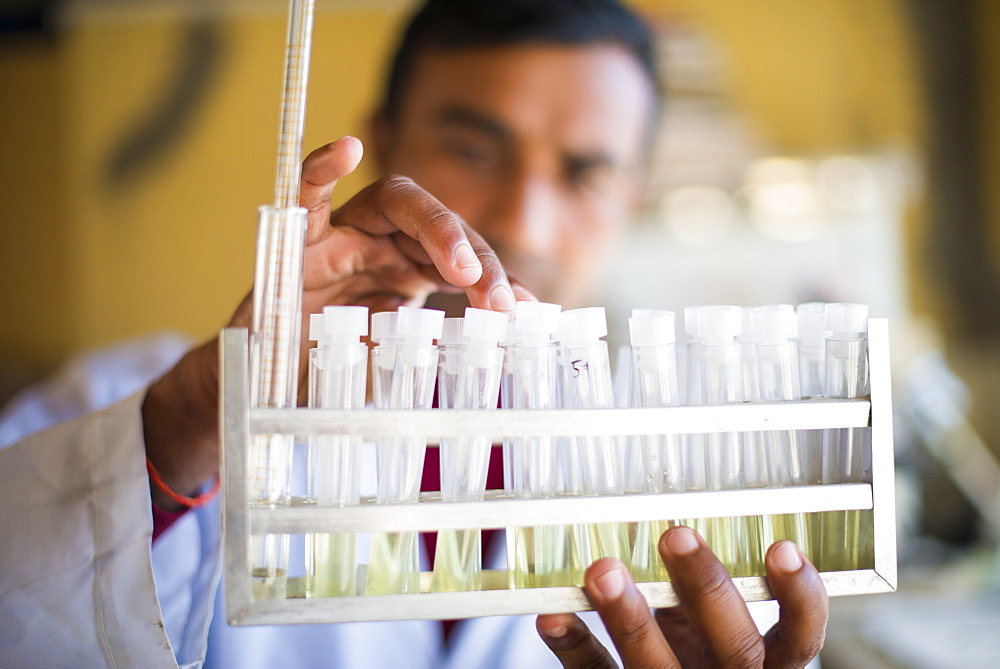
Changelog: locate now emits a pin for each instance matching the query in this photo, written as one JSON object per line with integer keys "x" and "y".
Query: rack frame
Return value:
{"x": 238, "y": 421}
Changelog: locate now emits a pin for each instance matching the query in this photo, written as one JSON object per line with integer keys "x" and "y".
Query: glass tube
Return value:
{"x": 537, "y": 556}
{"x": 737, "y": 541}
{"x": 843, "y": 449}
{"x": 468, "y": 378}
{"x": 274, "y": 377}
{"x": 776, "y": 349}
{"x": 403, "y": 376}
{"x": 338, "y": 373}
{"x": 587, "y": 385}
{"x": 811, "y": 321}
{"x": 654, "y": 374}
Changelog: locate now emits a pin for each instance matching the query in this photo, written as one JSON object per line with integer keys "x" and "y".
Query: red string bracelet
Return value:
{"x": 188, "y": 502}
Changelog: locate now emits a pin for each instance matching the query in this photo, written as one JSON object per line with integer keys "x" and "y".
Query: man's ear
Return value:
{"x": 379, "y": 134}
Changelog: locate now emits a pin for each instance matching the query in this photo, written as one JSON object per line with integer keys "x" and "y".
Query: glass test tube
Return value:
{"x": 737, "y": 541}
{"x": 338, "y": 371}
{"x": 811, "y": 320}
{"x": 274, "y": 377}
{"x": 537, "y": 556}
{"x": 774, "y": 329}
{"x": 843, "y": 449}
{"x": 654, "y": 374}
{"x": 755, "y": 472}
{"x": 694, "y": 444}
{"x": 404, "y": 370}
{"x": 468, "y": 378}
{"x": 755, "y": 465}
{"x": 587, "y": 385}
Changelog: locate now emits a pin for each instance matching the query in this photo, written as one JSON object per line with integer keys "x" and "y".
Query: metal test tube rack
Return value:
{"x": 240, "y": 520}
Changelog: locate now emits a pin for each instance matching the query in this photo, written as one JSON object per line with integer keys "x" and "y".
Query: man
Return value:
{"x": 518, "y": 131}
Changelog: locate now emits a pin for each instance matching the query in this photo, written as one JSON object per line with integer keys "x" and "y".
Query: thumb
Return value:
{"x": 320, "y": 171}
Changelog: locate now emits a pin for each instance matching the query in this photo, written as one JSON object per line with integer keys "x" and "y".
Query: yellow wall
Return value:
{"x": 36, "y": 263}
{"x": 176, "y": 249}
{"x": 83, "y": 265}
{"x": 812, "y": 76}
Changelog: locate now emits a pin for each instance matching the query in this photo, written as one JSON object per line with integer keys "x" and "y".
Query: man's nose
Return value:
{"x": 523, "y": 219}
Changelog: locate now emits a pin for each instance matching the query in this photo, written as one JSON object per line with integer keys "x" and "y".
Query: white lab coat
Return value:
{"x": 76, "y": 584}
{"x": 79, "y": 585}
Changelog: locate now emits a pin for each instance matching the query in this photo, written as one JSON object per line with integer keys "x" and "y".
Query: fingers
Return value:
{"x": 626, "y": 616}
{"x": 397, "y": 203}
{"x": 572, "y": 642}
{"x": 799, "y": 633}
{"x": 682, "y": 636}
{"x": 521, "y": 293}
{"x": 320, "y": 172}
{"x": 710, "y": 599}
{"x": 441, "y": 238}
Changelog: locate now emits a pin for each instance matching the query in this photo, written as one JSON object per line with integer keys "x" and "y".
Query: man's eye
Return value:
{"x": 589, "y": 177}
{"x": 473, "y": 155}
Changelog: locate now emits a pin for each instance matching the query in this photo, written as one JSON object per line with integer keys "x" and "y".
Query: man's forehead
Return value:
{"x": 591, "y": 97}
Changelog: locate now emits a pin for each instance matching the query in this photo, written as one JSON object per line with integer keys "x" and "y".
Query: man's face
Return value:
{"x": 538, "y": 148}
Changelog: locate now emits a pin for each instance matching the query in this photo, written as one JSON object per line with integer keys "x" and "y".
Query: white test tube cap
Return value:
{"x": 416, "y": 325}
{"x": 811, "y": 317}
{"x": 384, "y": 327}
{"x": 582, "y": 326}
{"x": 846, "y": 320}
{"x": 691, "y": 322}
{"x": 484, "y": 327}
{"x": 773, "y": 323}
{"x": 344, "y": 324}
{"x": 641, "y": 312}
{"x": 316, "y": 327}
{"x": 652, "y": 328}
{"x": 720, "y": 323}
{"x": 535, "y": 323}
{"x": 451, "y": 332}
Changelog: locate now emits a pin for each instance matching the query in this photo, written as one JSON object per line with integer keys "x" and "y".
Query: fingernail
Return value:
{"x": 786, "y": 557}
{"x": 465, "y": 257}
{"x": 523, "y": 294}
{"x": 681, "y": 541}
{"x": 502, "y": 299}
{"x": 557, "y": 632}
{"x": 611, "y": 585}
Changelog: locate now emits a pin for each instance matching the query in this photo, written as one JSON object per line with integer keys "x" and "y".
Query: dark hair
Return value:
{"x": 459, "y": 24}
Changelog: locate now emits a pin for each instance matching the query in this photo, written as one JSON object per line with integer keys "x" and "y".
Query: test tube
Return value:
{"x": 694, "y": 444}
{"x": 754, "y": 463}
{"x": 811, "y": 319}
{"x": 843, "y": 449}
{"x": 633, "y": 454}
{"x": 403, "y": 375}
{"x": 654, "y": 374}
{"x": 538, "y": 556}
{"x": 274, "y": 380}
{"x": 338, "y": 373}
{"x": 774, "y": 330}
{"x": 736, "y": 541}
{"x": 754, "y": 457}
{"x": 587, "y": 385}
{"x": 468, "y": 378}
